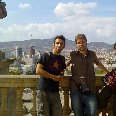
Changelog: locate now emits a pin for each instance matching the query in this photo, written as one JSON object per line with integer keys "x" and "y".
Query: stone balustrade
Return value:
{"x": 12, "y": 87}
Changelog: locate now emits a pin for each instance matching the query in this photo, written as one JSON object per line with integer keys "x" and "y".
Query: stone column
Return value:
{"x": 33, "y": 110}
{"x": 4, "y": 109}
{"x": 65, "y": 87}
{"x": 19, "y": 105}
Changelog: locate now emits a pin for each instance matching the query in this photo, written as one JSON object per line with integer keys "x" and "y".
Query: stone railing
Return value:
{"x": 12, "y": 87}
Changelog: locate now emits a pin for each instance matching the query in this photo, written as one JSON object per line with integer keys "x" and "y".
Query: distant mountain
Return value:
{"x": 45, "y": 44}
{"x": 40, "y": 44}
{"x": 99, "y": 45}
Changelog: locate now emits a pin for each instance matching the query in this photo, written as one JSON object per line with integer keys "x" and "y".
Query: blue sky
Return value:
{"x": 44, "y": 19}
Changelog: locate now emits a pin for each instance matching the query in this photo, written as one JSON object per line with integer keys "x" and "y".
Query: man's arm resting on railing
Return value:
{"x": 101, "y": 66}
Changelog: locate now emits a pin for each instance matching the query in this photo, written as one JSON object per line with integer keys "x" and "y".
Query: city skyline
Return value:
{"x": 42, "y": 19}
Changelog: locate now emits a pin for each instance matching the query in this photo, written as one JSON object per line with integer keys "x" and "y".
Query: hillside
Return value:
{"x": 45, "y": 44}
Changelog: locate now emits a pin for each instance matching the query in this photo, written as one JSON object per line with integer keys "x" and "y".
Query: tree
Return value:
{"x": 14, "y": 72}
{"x": 3, "y": 12}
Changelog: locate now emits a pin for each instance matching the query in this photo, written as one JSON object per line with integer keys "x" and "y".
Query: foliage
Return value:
{"x": 100, "y": 71}
{"x": 14, "y": 72}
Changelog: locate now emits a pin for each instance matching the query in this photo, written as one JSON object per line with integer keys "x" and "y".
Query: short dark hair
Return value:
{"x": 60, "y": 37}
{"x": 80, "y": 36}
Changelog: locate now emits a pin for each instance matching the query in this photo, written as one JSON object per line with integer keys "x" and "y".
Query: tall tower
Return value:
{"x": 18, "y": 52}
{"x": 31, "y": 51}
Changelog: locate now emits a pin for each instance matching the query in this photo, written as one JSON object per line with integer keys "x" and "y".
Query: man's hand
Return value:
{"x": 58, "y": 78}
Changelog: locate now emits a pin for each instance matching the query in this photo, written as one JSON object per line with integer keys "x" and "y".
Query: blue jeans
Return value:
{"x": 83, "y": 104}
{"x": 48, "y": 104}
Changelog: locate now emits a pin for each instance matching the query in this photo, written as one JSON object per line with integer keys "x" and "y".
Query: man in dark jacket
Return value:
{"x": 50, "y": 67}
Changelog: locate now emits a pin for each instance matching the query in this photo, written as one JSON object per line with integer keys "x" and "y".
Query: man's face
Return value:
{"x": 81, "y": 44}
{"x": 58, "y": 45}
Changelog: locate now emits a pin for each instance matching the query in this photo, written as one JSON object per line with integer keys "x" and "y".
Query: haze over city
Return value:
{"x": 43, "y": 19}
